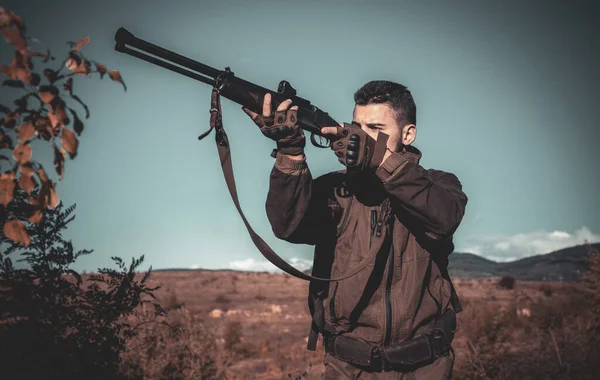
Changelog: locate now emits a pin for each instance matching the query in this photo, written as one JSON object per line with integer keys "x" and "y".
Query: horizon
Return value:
{"x": 505, "y": 94}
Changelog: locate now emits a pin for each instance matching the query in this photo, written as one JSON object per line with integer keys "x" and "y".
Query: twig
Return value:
{"x": 555, "y": 346}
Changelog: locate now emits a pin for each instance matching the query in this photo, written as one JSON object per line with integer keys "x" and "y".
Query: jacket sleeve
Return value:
{"x": 434, "y": 199}
{"x": 297, "y": 205}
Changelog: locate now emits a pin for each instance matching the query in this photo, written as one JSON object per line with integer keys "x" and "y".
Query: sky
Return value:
{"x": 506, "y": 96}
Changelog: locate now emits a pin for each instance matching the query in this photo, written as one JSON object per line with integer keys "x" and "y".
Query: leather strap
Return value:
{"x": 216, "y": 123}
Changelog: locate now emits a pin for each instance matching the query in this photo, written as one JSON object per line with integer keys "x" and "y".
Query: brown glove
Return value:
{"x": 284, "y": 129}
{"x": 357, "y": 150}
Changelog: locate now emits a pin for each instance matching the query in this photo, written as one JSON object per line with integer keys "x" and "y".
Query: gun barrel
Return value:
{"x": 170, "y": 60}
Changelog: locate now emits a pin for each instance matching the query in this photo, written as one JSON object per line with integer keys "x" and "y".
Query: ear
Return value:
{"x": 409, "y": 134}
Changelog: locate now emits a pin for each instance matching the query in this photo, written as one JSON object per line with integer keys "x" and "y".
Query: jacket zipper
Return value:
{"x": 388, "y": 286}
{"x": 332, "y": 305}
{"x": 373, "y": 225}
{"x": 388, "y": 296}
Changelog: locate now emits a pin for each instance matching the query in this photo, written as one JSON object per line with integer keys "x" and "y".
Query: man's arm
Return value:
{"x": 297, "y": 205}
{"x": 435, "y": 200}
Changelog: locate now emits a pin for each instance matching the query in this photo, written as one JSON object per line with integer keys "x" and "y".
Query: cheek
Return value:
{"x": 370, "y": 132}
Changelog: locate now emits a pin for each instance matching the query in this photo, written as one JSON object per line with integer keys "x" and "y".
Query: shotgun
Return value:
{"x": 240, "y": 91}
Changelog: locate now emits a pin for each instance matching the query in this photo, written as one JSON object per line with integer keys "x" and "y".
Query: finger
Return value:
{"x": 249, "y": 113}
{"x": 284, "y": 105}
{"x": 267, "y": 105}
{"x": 329, "y": 130}
{"x": 295, "y": 108}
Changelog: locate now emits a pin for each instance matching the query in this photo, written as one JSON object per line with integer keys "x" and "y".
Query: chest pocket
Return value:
{"x": 407, "y": 246}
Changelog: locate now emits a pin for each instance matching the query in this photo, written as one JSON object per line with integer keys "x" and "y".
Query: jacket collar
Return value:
{"x": 411, "y": 153}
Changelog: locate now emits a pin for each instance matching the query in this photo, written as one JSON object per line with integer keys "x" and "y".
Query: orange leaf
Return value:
{"x": 57, "y": 115}
{"x": 69, "y": 142}
{"x": 77, "y": 45}
{"x": 59, "y": 161}
{"x": 101, "y": 69}
{"x": 15, "y": 231}
{"x": 22, "y": 153}
{"x": 26, "y": 132}
{"x": 114, "y": 75}
{"x": 77, "y": 65}
{"x": 26, "y": 181}
{"x": 47, "y": 96}
{"x": 43, "y": 176}
{"x": 48, "y": 198}
{"x": 7, "y": 186}
{"x": 36, "y": 217}
{"x": 15, "y": 37}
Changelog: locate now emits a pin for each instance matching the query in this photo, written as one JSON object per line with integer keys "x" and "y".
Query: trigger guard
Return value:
{"x": 316, "y": 144}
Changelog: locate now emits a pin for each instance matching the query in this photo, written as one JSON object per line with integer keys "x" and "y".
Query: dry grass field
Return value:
{"x": 238, "y": 325}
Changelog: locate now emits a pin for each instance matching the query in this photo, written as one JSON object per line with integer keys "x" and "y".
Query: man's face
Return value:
{"x": 380, "y": 117}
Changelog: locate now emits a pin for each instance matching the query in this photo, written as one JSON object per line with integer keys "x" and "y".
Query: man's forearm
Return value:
{"x": 435, "y": 200}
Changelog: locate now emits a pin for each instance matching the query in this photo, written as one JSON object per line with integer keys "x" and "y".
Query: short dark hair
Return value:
{"x": 397, "y": 96}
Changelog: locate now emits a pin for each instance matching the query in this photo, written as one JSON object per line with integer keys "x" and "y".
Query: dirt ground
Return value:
{"x": 271, "y": 313}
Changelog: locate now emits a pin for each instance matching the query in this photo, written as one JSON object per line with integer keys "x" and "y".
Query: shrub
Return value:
{"x": 507, "y": 282}
{"x": 50, "y": 325}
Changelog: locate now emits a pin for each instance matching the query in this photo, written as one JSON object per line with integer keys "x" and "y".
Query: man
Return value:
{"x": 395, "y": 318}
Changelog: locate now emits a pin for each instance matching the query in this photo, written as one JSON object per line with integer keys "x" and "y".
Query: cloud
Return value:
{"x": 252, "y": 265}
{"x": 509, "y": 248}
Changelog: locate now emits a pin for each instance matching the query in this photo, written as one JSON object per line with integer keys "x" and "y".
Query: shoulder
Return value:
{"x": 442, "y": 176}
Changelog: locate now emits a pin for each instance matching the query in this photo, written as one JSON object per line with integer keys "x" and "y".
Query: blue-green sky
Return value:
{"x": 507, "y": 97}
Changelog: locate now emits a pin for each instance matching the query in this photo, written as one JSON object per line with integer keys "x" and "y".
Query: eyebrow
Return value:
{"x": 369, "y": 124}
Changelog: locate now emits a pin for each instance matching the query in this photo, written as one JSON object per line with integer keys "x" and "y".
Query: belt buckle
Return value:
{"x": 440, "y": 344}
{"x": 378, "y": 360}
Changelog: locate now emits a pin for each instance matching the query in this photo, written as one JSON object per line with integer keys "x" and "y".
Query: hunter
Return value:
{"x": 396, "y": 318}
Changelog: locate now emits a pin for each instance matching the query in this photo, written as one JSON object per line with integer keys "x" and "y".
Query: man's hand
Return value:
{"x": 282, "y": 127}
{"x": 356, "y": 149}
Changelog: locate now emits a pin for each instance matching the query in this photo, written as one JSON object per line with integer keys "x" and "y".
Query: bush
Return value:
{"x": 52, "y": 327}
{"x": 507, "y": 282}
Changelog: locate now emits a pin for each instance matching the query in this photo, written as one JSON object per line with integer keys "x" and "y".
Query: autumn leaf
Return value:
{"x": 77, "y": 65}
{"x": 77, "y": 45}
{"x": 47, "y": 57}
{"x": 15, "y": 37}
{"x": 5, "y": 141}
{"x": 27, "y": 181}
{"x": 43, "y": 127}
{"x": 101, "y": 69}
{"x": 69, "y": 142}
{"x": 36, "y": 216}
{"x": 114, "y": 75}
{"x": 26, "y": 132}
{"x": 77, "y": 123}
{"x": 18, "y": 69}
{"x": 57, "y": 115}
{"x": 48, "y": 198}
{"x": 59, "y": 161}
{"x": 13, "y": 83}
{"x": 50, "y": 75}
{"x": 22, "y": 153}
{"x": 15, "y": 230}
{"x": 42, "y": 174}
{"x": 10, "y": 120}
{"x": 7, "y": 187}
{"x": 48, "y": 93}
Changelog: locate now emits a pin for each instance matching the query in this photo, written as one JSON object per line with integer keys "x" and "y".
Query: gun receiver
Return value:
{"x": 245, "y": 93}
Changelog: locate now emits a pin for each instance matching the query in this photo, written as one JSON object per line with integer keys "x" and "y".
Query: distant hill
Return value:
{"x": 562, "y": 265}
{"x": 565, "y": 264}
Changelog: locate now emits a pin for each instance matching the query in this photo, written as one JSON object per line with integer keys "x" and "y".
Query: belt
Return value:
{"x": 416, "y": 352}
